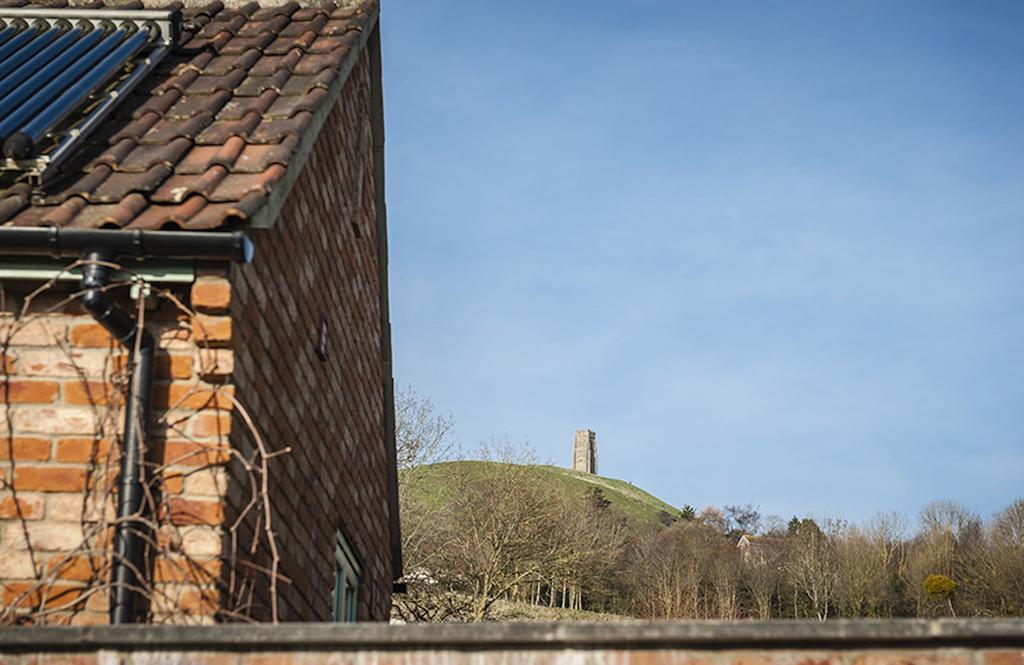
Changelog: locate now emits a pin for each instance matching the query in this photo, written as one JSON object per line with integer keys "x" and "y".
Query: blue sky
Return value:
{"x": 772, "y": 252}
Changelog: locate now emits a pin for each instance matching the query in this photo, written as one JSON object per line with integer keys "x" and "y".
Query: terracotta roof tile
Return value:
{"x": 222, "y": 64}
{"x": 331, "y": 43}
{"x": 217, "y": 214}
{"x": 212, "y": 44}
{"x": 168, "y": 130}
{"x": 200, "y": 60}
{"x": 347, "y": 12}
{"x": 237, "y": 185}
{"x": 81, "y": 186}
{"x": 271, "y": 26}
{"x": 109, "y": 215}
{"x": 268, "y": 64}
{"x": 336, "y": 26}
{"x": 194, "y": 12}
{"x": 213, "y": 129}
{"x": 299, "y": 28}
{"x": 145, "y": 156}
{"x": 179, "y": 81}
{"x": 136, "y": 128}
{"x": 231, "y": 24}
{"x": 115, "y": 154}
{"x": 63, "y": 214}
{"x": 243, "y": 44}
{"x": 275, "y": 131}
{"x": 30, "y": 216}
{"x": 156, "y": 103}
{"x": 287, "y": 106}
{"x": 239, "y": 107}
{"x": 156, "y": 216}
{"x": 254, "y": 86}
{"x": 190, "y": 105}
{"x": 314, "y": 63}
{"x": 118, "y": 185}
{"x": 15, "y": 200}
{"x": 201, "y": 158}
{"x": 302, "y": 85}
{"x": 179, "y": 187}
{"x": 266, "y": 13}
{"x": 283, "y": 44}
{"x": 204, "y": 85}
{"x": 219, "y": 132}
{"x": 306, "y": 13}
{"x": 258, "y": 158}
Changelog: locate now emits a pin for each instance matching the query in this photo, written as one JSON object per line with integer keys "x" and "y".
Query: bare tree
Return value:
{"x": 1005, "y": 560}
{"x": 812, "y": 568}
{"x": 763, "y": 577}
{"x": 422, "y": 436}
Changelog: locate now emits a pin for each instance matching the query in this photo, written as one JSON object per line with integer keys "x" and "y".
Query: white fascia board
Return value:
{"x": 43, "y": 270}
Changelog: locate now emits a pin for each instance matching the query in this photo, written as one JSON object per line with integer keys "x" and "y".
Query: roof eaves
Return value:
{"x": 267, "y": 214}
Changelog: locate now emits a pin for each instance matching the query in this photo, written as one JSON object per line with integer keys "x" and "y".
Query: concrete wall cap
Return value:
{"x": 708, "y": 635}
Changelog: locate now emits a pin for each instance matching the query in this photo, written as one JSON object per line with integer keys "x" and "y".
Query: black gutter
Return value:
{"x": 58, "y": 242}
{"x": 101, "y": 248}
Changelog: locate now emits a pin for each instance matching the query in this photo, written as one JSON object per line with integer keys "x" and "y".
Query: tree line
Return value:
{"x": 499, "y": 533}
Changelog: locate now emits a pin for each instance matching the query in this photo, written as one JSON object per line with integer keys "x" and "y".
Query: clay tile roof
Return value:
{"x": 209, "y": 135}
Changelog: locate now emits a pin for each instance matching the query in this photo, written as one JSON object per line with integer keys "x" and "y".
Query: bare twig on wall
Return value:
{"x": 182, "y": 583}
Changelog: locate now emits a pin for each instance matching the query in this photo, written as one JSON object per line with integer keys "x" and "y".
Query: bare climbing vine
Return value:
{"x": 182, "y": 583}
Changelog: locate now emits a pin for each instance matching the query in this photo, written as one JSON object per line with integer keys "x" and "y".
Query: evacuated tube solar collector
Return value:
{"x": 55, "y": 62}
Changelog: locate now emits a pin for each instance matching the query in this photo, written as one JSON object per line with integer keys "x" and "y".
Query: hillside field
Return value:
{"x": 637, "y": 506}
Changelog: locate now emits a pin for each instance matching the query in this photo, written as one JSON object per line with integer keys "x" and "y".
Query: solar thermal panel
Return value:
{"x": 62, "y": 71}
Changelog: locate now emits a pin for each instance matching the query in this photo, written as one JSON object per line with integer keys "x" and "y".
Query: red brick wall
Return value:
{"x": 317, "y": 267}
{"x": 60, "y": 412}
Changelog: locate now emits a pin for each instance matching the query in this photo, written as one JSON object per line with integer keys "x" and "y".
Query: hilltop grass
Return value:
{"x": 637, "y": 506}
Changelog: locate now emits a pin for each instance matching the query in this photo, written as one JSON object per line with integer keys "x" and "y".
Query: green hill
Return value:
{"x": 639, "y": 507}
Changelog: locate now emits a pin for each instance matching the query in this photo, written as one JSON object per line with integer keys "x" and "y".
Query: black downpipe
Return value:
{"x": 100, "y": 248}
{"x": 129, "y": 536}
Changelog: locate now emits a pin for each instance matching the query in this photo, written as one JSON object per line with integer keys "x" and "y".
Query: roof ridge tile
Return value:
{"x": 287, "y": 9}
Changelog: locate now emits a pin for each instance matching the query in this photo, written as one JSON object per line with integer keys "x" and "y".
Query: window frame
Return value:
{"x": 348, "y": 570}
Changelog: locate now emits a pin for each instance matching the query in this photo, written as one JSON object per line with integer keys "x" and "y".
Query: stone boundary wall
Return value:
{"x": 882, "y": 642}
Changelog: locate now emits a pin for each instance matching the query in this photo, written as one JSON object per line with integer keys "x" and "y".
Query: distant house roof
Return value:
{"x": 214, "y": 132}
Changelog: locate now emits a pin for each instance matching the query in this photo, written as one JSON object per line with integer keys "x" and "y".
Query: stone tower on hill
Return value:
{"x": 584, "y": 451}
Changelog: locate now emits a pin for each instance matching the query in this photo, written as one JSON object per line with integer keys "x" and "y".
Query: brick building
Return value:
{"x": 197, "y": 418}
